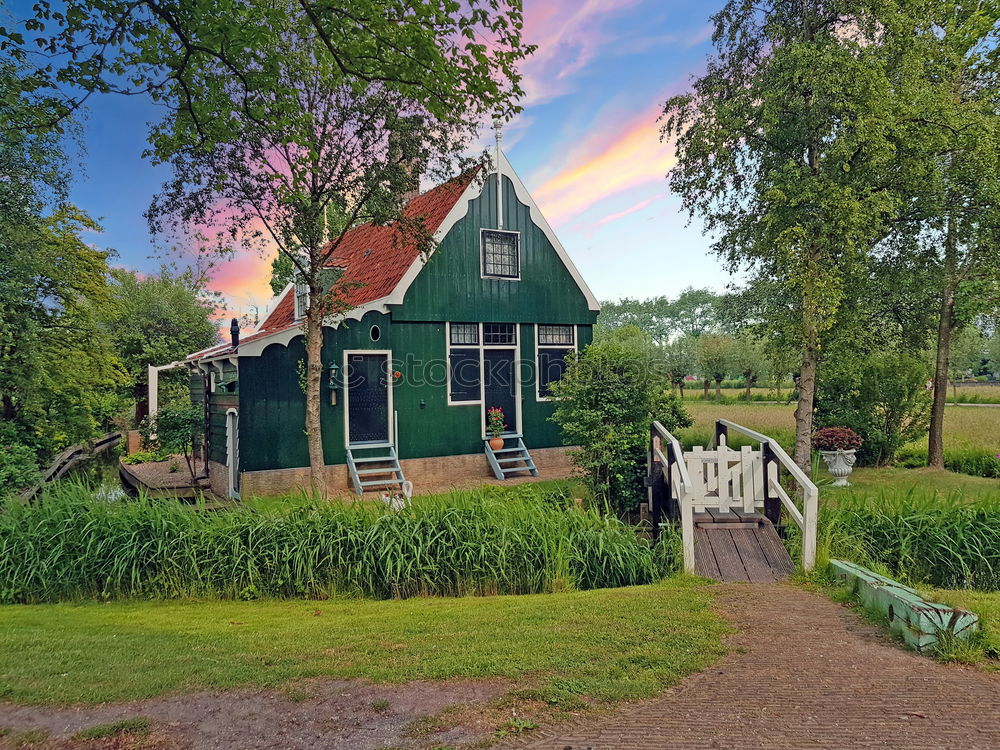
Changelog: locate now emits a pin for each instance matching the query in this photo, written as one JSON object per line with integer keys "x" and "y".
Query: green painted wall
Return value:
{"x": 218, "y": 405}
{"x": 450, "y": 288}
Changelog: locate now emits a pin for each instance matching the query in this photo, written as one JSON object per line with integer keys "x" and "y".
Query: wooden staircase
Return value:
{"x": 374, "y": 466}
{"x": 510, "y": 460}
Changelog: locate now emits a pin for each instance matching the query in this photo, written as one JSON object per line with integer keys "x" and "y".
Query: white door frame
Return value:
{"x": 233, "y": 452}
{"x": 390, "y": 381}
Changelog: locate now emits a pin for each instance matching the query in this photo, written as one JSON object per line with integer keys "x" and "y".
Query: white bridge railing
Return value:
{"x": 723, "y": 479}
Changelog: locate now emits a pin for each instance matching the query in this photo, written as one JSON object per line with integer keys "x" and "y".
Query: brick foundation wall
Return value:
{"x": 429, "y": 475}
{"x": 218, "y": 478}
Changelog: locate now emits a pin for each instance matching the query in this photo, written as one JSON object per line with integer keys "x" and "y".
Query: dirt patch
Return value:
{"x": 331, "y": 714}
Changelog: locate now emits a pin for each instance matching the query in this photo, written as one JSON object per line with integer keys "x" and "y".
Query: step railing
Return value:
{"x": 666, "y": 459}
{"x": 776, "y": 464}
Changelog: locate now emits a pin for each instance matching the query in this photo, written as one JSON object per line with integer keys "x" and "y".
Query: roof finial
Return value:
{"x": 498, "y": 131}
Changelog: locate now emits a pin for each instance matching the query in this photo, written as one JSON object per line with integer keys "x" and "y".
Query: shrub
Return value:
{"x": 882, "y": 397}
{"x": 18, "y": 467}
{"x": 142, "y": 457}
{"x": 974, "y": 461}
{"x": 836, "y": 439}
{"x": 71, "y": 544}
{"x": 977, "y": 462}
{"x": 608, "y": 397}
{"x": 177, "y": 429}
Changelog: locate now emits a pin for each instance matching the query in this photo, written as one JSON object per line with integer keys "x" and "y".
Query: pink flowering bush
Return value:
{"x": 836, "y": 438}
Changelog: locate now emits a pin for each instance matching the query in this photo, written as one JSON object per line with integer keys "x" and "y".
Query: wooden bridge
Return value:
{"x": 730, "y": 503}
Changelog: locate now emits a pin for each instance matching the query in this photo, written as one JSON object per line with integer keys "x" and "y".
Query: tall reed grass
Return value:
{"x": 73, "y": 545}
{"x": 923, "y": 537}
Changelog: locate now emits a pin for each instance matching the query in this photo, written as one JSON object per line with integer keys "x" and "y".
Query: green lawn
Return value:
{"x": 609, "y": 644}
{"x": 868, "y": 481}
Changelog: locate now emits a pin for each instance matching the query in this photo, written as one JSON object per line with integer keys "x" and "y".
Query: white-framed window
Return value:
{"x": 473, "y": 365}
{"x": 553, "y": 345}
{"x": 301, "y": 298}
{"x": 500, "y": 254}
{"x": 464, "y": 363}
{"x": 465, "y": 345}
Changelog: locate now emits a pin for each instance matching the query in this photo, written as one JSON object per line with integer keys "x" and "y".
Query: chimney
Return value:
{"x": 234, "y": 332}
{"x": 407, "y": 138}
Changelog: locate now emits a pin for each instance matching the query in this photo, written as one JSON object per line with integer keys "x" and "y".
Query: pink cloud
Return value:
{"x": 630, "y": 210}
{"x": 619, "y": 156}
{"x": 244, "y": 280}
{"x": 568, "y": 34}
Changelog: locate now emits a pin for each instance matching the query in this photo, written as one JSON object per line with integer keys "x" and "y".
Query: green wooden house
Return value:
{"x": 430, "y": 344}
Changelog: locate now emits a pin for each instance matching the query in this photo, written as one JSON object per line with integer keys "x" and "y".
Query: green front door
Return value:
{"x": 500, "y": 384}
{"x": 367, "y": 398}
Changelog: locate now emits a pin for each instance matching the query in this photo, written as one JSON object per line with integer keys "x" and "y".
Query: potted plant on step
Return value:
{"x": 837, "y": 446}
{"x": 495, "y": 426}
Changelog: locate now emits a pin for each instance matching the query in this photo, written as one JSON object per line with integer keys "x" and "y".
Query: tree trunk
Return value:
{"x": 314, "y": 376}
{"x": 747, "y": 376}
{"x": 682, "y": 390}
{"x": 946, "y": 324}
{"x": 807, "y": 395}
{"x": 141, "y": 394}
{"x": 718, "y": 389}
{"x": 706, "y": 388}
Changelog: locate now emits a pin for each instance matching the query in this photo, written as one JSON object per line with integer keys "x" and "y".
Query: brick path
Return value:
{"x": 804, "y": 673}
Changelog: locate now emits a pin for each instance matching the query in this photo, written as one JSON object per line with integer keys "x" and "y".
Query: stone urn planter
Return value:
{"x": 838, "y": 447}
{"x": 841, "y": 464}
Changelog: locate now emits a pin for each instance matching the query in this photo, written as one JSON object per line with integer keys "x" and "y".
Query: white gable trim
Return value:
{"x": 459, "y": 211}
{"x": 272, "y": 306}
{"x": 536, "y": 216}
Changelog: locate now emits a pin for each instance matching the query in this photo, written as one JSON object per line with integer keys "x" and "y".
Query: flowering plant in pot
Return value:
{"x": 837, "y": 446}
{"x": 495, "y": 426}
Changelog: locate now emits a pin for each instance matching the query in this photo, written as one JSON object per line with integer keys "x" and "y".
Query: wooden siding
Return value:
{"x": 272, "y": 406}
{"x": 218, "y": 405}
{"x": 450, "y": 287}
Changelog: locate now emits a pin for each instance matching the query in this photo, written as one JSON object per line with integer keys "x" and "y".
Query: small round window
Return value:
{"x": 376, "y": 333}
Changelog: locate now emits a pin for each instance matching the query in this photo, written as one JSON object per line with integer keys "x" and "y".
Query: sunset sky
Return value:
{"x": 587, "y": 146}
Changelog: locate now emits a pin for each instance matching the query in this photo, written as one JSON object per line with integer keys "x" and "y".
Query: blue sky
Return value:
{"x": 586, "y": 145}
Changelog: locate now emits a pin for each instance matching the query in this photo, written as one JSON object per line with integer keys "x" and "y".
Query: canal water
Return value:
{"x": 101, "y": 473}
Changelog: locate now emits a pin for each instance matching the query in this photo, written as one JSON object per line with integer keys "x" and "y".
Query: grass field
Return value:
{"x": 962, "y": 394}
{"x": 963, "y": 426}
{"x": 609, "y": 644}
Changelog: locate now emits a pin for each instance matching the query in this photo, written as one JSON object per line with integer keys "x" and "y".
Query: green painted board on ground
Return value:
{"x": 918, "y": 621}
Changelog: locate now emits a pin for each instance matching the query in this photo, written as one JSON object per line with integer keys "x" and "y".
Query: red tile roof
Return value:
{"x": 374, "y": 258}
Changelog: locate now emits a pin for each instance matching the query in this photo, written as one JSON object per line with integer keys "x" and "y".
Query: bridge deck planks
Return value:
{"x": 750, "y": 552}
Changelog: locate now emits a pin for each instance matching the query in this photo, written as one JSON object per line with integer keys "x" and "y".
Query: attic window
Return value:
{"x": 501, "y": 254}
{"x": 301, "y": 298}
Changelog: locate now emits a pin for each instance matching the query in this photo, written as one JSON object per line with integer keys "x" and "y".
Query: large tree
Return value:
{"x": 437, "y": 52}
{"x": 154, "y": 320}
{"x": 295, "y": 162}
{"x": 57, "y": 372}
{"x": 782, "y": 148}
{"x": 949, "y": 136}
